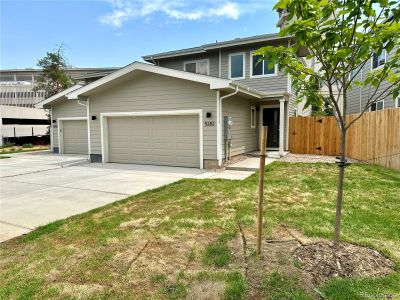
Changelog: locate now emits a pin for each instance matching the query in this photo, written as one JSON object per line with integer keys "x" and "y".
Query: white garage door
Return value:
{"x": 75, "y": 137}
{"x": 157, "y": 140}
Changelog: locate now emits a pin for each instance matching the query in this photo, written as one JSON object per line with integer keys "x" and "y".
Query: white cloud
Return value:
{"x": 124, "y": 10}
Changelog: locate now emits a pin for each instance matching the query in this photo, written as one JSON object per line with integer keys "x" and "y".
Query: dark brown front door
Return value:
{"x": 271, "y": 119}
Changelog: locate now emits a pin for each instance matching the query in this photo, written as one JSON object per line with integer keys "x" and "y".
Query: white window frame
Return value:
{"x": 372, "y": 61}
{"x": 253, "y": 117}
{"x": 263, "y": 75}
{"x": 244, "y": 65}
{"x": 383, "y": 105}
{"x": 196, "y": 61}
{"x": 397, "y": 103}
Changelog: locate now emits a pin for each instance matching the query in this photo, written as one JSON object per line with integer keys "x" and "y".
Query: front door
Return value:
{"x": 270, "y": 118}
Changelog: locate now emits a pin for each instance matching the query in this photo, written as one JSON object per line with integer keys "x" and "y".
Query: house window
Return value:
{"x": 197, "y": 66}
{"x": 377, "y": 106}
{"x": 398, "y": 102}
{"x": 236, "y": 65}
{"x": 253, "y": 117}
{"x": 378, "y": 60}
{"x": 260, "y": 67}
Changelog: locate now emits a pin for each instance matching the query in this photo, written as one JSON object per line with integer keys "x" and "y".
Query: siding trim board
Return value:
{"x": 104, "y": 127}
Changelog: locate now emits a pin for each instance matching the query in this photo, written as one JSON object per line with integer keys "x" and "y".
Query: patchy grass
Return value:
{"x": 4, "y": 157}
{"x": 276, "y": 286}
{"x": 24, "y": 148}
{"x": 154, "y": 245}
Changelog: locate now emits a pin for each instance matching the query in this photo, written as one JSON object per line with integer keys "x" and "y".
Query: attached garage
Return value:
{"x": 170, "y": 140}
{"x": 73, "y": 136}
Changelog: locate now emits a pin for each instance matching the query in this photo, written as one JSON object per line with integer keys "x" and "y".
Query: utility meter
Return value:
{"x": 227, "y": 127}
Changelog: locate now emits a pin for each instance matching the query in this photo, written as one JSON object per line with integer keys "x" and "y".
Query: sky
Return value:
{"x": 114, "y": 33}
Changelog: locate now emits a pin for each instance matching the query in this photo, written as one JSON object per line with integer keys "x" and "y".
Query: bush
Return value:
{"x": 27, "y": 145}
{"x": 8, "y": 144}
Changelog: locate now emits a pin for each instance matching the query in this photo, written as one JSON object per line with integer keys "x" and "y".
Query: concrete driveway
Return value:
{"x": 39, "y": 188}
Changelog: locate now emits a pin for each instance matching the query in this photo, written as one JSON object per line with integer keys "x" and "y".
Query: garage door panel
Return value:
{"x": 159, "y": 140}
{"x": 75, "y": 140}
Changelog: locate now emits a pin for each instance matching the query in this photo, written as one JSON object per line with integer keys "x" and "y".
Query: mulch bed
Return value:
{"x": 323, "y": 262}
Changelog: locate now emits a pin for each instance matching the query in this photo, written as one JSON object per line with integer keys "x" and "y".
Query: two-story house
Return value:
{"x": 358, "y": 96}
{"x": 192, "y": 107}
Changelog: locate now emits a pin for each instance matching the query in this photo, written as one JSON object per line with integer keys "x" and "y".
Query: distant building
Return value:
{"x": 20, "y": 121}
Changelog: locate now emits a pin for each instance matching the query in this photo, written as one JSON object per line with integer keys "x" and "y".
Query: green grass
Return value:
{"x": 276, "y": 286}
{"x": 94, "y": 254}
{"x": 4, "y": 157}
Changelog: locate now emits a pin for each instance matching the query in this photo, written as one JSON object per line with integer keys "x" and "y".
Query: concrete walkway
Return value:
{"x": 249, "y": 164}
{"x": 38, "y": 188}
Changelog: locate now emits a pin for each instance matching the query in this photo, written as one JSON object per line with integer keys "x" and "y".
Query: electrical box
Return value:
{"x": 228, "y": 127}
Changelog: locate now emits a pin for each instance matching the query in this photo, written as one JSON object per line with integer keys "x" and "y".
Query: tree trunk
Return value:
{"x": 339, "y": 198}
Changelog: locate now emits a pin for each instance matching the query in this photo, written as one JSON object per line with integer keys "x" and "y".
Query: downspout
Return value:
{"x": 219, "y": 122}
{"x": 219, "y": 64}
{"x": 88, "y": 124}
{"x": 51, "y": 129}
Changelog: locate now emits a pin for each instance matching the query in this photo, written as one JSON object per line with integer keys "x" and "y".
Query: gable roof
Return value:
{"x": 217, "y": 45}
{"x": 58, "y": 96}
{"x": 214, "y": 83}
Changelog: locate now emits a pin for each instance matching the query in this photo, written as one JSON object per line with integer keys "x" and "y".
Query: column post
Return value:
{"x": 281, "y": 125}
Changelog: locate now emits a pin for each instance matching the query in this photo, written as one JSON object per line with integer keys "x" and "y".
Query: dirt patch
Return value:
{"x": 206, "y": 290}
{"x": 322, "y": 262}
{"x": 309, "y": 158}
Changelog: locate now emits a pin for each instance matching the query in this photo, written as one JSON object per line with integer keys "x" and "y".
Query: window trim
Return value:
{"x": 372, "y": 60}
{"x": 397, "y": 103}
{"x": 196, "y": 61}
{"x": 263, "y": 75}
{"x": 253, "y": 117}
{"x": 244, "y": 65}
{"x": 383, "y": 105}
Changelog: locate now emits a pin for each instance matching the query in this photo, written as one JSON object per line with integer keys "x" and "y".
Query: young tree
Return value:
{"x": 342, "y": 36}
{"x": 54, "y": 77}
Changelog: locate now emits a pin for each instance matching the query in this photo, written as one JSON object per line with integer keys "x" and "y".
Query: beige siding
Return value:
{"x": 151, "y": 92}
{"x": 66, "y": 109}
{"x": 244, "y": 138}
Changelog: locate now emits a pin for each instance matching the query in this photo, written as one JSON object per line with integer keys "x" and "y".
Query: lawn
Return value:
{"x": 19, "y": 149}
{"x": 185, "y": 240}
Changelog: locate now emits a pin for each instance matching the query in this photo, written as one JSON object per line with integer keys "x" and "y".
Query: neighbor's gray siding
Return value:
{"x": 66, "y": 109}
{"x": 244, "y": 138}
{"x": 358, "y": 96}
{"x": 151, "y": 92}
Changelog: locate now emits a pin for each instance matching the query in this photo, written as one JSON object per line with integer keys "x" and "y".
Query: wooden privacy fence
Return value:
{"x": 374, "y": 138}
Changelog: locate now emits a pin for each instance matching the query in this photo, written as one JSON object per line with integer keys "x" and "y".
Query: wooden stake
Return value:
{"x": 263, "y": 145}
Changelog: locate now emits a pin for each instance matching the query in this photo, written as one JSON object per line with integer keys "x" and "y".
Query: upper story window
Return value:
{"x": 197, "y": 66}
{"x": 260, "y": 67}
{"x": 236, "y": 65}
{"x": 377, "y": 106}
{"x": 378, "y": 60}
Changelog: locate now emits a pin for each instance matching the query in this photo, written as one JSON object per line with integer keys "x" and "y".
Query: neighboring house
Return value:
{"x": 193, "y": 108}
{"x": 20, "y": 121}
{"x": 358, "y": 96}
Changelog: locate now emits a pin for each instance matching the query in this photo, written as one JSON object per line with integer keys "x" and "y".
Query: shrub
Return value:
{"x": 29, "y": 145}
{"x": 8, "y": 144}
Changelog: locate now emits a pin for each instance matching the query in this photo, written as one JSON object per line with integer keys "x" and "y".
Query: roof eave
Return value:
{"x": 58, "y": 96}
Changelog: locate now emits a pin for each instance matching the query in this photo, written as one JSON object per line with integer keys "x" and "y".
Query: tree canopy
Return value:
{"x": 54, "y": 77}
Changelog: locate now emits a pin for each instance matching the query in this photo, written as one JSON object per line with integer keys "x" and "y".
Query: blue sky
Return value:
{"x": 107, "y": 33}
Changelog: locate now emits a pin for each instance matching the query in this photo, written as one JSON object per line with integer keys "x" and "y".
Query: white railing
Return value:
{"x": 22, "y": 96}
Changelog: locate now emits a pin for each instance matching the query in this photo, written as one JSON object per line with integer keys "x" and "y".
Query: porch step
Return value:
{"x": 270, "y": 154}
{"x": 249, "y": 164}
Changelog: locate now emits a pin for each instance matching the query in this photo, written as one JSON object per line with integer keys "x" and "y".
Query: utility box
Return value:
{"x": 227, "y": 127}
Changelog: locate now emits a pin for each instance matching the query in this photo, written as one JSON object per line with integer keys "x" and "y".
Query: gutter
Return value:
{"x": 219, "y": 122}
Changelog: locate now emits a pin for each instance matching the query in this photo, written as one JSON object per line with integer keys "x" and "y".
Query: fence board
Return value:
{"x": 375, "y": 137}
